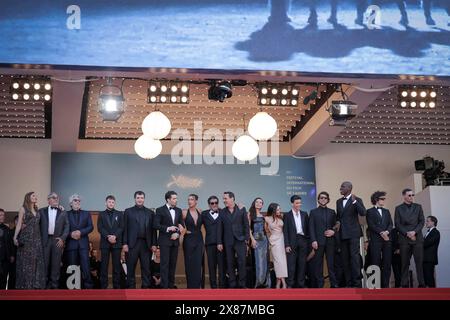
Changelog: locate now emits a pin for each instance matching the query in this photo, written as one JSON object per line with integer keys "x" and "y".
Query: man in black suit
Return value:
{"x": 296, "y": 231}
{"x": 233, "y": 235}
{"x": 210, "y": 220}
{"x": 54, "y": 231}
{"x": 396, "y": 261}
{"x": 110, "y": 225}
{"x": 322, "y": 228}
{"x": 380, "y": 225}
{"x": 5, "y": 250}
{"x": 349, "y": 207}
{"x": 169, "y": 222}
{"x": 409, "y": 220}
{"x": 430, "y": 251}
{"x": 138, "y": 240}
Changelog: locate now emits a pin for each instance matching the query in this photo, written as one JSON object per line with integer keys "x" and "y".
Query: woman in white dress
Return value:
{"x": 274, "y": 229}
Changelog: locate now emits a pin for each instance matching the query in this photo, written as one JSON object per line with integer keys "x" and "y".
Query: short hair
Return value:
{"x": 111, "y": 197}
{"x": 74, "y": 197}
{"x": 193, "y": 195}
{"x": 212, "y": 197}
{"x": 1, "y": 210}
{"x": 434, "y": 219}
{"x": 348, "y": 184}
{"x": 169, "y": 194}
{"x": 52, "y": 195}
{"x": 406, "y": 190}
{"x": 324, "y": 193}
{"x": 139, "y": 193}
{"x": 295, "y": 197}
{"x": 376, "y": 196}
{"x": 230, "y": 194}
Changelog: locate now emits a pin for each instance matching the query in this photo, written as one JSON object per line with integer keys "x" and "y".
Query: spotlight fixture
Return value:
{"x": 341, "y": 110}
{"x": 219, "y": 91}
{"x": 31, "y": 88}
{"x": 277, "y": 94}
{"x": 111, "y": 103}
{"x": 414, "y": 96}
{"x": 169, "y": 92}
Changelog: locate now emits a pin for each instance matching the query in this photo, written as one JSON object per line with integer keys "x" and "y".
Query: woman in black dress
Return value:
{"x": 30, "y": 270}
{"x": 193, "y": 245}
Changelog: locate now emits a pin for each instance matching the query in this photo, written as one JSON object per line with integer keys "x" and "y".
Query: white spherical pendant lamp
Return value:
{"x": 262, "y": 126}
{"x": 156, "y": 125}
{"x": 148, "y": 148}
{"x": 245, "y": 148}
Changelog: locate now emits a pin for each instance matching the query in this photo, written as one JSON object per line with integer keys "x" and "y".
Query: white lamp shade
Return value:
{"x": 262, "y": 126}
{"x": 156, "y": 125}
{"x": 148, "y": 148}
{"x": 245, "y": 148}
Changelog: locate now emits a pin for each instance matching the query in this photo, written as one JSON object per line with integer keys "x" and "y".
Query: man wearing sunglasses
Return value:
{"x": 409, "y": 220}
{"x": 216, "y": 265}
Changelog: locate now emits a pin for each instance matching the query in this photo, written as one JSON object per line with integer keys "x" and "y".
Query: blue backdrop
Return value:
{"x": 333, "y": 36}
{"x": 95, "y": 175}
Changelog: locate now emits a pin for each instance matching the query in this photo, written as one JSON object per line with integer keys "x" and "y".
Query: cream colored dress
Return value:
{"x": 277, "y": 249}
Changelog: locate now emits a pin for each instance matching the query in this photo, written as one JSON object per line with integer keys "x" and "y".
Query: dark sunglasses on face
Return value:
{"x": 213, "y": 203}
{"x": 410, "y": 195}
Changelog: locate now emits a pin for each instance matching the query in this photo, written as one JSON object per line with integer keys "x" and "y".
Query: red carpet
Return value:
{"x": 230, "y": 294}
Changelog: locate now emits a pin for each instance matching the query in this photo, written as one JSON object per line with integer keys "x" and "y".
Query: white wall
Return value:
{"x": 25, "y": 166}
{"x": 372, "y": 167}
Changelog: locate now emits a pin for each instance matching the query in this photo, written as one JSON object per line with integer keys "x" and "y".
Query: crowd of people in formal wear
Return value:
{"x": 244, "y": 249}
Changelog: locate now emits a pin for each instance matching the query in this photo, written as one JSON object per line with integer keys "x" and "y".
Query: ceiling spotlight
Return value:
{"x": 423, "y": 94}
{"x": 264, "y": 90}
{"x": 273, "y": 102}
{"x": 274, "y": 91}
{"x": 163, "y": 88}
{"x": 294, "y": 92}
{"x": 263, "y": 101}
{"x": 184, "y": 99}
{"x": 15, "y": 96}
{"x": 341, "y": 111}
{"x": 153, "y": 88}
{"x": 163, "y": 99}
{"x": 404, "y": 93}
{"x": 413, "y": 104}
{"x": 153, "y": 99}
{"x": 403, "y": 104}
{"x": 284, "y": 92}
{"x": 47, "y": 86}
{"x": 26, "y": 96}
{"x": 15, "y": 85}
{"x": 47, "y": 97}
{"x": 36, "y": 86}
{"x": 184, "y": 88}
{"x": 433, "y": 94}
{"x": 36, "y": 97}
{"x": 111, "y": 104}
{"x": 219, "y": 91}
{"x": 26, "y": 86}
{"x": 173, "y": 99}
{"x": 294, "y": 102}
{"x": 432, "y": 104}
{"x": 283, "y": 102}
{"x": 413, "y": 94}
{"x": 422, "y": 104}
{"x": 174, "y": 88}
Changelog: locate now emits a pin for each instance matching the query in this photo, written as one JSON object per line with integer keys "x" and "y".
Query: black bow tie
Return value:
{"x": 170, "y": 208}
{"x": 213, "y": 212}
{"x": 54, "y": 208}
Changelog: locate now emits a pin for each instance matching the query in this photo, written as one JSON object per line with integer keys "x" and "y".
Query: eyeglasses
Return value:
{"x": 410, "y": 195}
{"x": 76, "y": 200}
{"x": 381, "y": 198}
{"x": 213, "y": 203}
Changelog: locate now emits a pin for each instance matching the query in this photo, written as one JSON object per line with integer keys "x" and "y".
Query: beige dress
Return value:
{"x": 277, "y": 249}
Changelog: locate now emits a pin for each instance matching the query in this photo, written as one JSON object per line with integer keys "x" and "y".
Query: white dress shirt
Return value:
{"x": 213, "y": 214}
{"x": 344, "y": 201}
{"x": 172, "y": 214}
{"x": 51, "y": 220}
{"x": 380, "y": 211}
{"x": 298, "y": 222}
{"x": 428, "y": 232}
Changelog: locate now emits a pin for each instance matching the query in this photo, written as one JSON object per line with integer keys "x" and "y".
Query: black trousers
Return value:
{"x": 81, "y": 257}
{"x": 351, "y": 262}
{"x": 406, "y": 251}
{"x": 215, "y": 266}
{"x": 329, "y": 249}
{"x": 428, "y": 274}
{"x": 115, "y": 254}
{"x": 296, "y": 263}
{"x": 397, "y": 269}
{"x": 3, "y": 274}
{"x": 169, "y": 256}
{"x": 236, "y": 251}
{"x": 193, "y": 261}
{"x": 140, "y": 252}
{"x": 52, "y": 256}
{"x": 381, "y": 255}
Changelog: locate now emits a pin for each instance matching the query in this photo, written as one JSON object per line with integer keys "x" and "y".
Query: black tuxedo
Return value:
{"x": 430, "y": 256}
{"x": 215, "y": 257}
{"x": 168, "y": 247}
{"x": 110, "y": 222}
{"x": 5, "y": 254}
{"x": 140, "y": 237}
{"x": 410, "y": 218}
{"x": 380, "y": 250}
{"x": 296, "y": 259}
{"x": 232, "y": 233}
{"x": 53, "y": 254}
{"x": 350, "y": 233}
{"x": 320, "y": 220}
